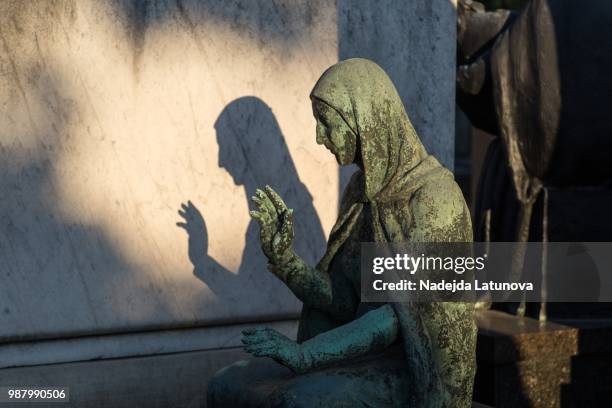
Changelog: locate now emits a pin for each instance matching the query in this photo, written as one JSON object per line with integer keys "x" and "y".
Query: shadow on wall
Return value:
{"x": 253, "y": 151}
{"x": 244, "y": 123}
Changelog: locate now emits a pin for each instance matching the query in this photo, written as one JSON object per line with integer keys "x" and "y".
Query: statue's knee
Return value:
{"x": 216, "y": 386}
{"x": 215, "y": 383}
{"x": 224, "y": 381}
{"x": 308, "y": 391}
{"x": 234, "y": 385}
{"x": 287, "y": 399}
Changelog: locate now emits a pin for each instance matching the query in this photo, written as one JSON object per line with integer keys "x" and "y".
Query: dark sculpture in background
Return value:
{"x": 540, "y": 80}
{"x": 350, "y": 353}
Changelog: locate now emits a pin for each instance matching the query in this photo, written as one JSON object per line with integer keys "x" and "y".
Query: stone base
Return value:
{"x": 522, "y": 363}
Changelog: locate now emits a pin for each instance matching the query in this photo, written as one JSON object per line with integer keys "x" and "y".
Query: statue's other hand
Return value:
{"x": 270, "y": 343}
{"x": 276, "y": 222}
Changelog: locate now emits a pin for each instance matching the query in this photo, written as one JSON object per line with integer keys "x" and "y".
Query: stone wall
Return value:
{"x": 113, "y": 113}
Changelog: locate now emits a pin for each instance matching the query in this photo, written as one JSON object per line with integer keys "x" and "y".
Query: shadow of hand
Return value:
{"x": 196, "y": 229}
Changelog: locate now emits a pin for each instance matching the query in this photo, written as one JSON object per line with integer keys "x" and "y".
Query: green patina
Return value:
{"x": 399, "y": 194}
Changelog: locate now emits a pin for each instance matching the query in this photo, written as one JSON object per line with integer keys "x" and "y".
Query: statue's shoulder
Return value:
{"x": 439, "y": 212}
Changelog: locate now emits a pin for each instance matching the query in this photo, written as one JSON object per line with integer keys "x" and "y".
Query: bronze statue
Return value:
{"x": 530, "y": 78}
{"x": 350, "y": 353}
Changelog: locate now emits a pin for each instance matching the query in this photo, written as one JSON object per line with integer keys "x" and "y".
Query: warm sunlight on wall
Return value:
{"x": 125, "y": 129}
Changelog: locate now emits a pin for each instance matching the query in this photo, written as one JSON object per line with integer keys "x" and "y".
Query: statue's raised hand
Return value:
{"x": 276, "y": 222}
{"x": 270, "y": 343}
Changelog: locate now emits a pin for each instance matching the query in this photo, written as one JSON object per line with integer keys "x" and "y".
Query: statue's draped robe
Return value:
{"x": 400, "y": 186}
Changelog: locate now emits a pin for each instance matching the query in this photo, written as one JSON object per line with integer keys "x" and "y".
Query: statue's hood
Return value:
{"x": 364, "y": 96}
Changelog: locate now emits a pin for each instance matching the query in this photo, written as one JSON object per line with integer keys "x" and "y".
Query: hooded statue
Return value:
{"x": 348, "y": 351}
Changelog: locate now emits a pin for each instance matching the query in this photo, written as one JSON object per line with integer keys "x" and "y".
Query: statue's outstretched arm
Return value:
{"x": 315, "y": 289}
{"x": 311, "y": 286}
{"x": 374, "y": 331}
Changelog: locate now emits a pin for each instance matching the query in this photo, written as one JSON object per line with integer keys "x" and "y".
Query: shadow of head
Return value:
{"x": 252, "y": 147}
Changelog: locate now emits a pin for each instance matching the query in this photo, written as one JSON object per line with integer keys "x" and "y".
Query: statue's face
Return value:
{"x": 334, "y": 133}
